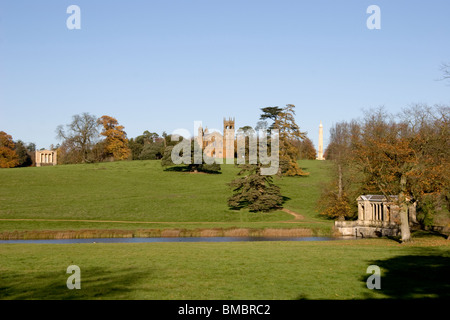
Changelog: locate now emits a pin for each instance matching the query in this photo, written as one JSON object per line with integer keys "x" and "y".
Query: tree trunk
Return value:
{"x": 340, "y": 181}
{"x": 404, "y": 223}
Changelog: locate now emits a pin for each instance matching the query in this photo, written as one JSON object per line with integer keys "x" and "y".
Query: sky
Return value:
{"x": 161, "y": 65}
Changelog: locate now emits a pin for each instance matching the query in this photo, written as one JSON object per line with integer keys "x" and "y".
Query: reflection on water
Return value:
{"x": 181, "y": 239}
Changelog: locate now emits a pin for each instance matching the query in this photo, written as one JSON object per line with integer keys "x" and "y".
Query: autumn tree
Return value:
{"x": 8, "y": 156}
{"x": 78, "y": 138}
{"x": 407, "y": 157}
{"x": 428, "y": 129}
{"x": 116, "y": 142}
{"x": 289, "y": 133}
{"x": 254, "y": 191}
{"x": 337, "y": 197}
{"x": 385, "y": 157}
{"x": 306, "y": 149}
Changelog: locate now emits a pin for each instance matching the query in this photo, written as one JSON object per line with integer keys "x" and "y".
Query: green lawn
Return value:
{"x": 241, "y": 270}
{"x": 141, "y": 195}
{"x": 142, "y": 191}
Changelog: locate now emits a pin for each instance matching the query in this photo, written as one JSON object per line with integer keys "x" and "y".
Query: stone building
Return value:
{"x": 377, "y": 216}
{"x": 45, "y": 158}
{"x": 218, "y": 145}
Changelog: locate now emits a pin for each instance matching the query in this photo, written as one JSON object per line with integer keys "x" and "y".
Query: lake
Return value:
{"x": 176, "y": 239}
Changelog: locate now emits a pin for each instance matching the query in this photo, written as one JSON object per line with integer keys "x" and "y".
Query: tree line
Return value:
{"x": 14, "y": 153}
{"x": 89, "y": 139}
{"x": 404, "y": 154}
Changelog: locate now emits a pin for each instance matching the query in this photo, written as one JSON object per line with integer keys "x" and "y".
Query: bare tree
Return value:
{"x": 445, "y": 68}
{"x": 81, "y": 134}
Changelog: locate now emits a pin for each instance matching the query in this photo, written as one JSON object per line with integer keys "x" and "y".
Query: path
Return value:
{"x": 297, "y": 216}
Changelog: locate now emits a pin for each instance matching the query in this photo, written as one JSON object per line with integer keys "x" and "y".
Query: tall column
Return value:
{"x": 320, "y": 151}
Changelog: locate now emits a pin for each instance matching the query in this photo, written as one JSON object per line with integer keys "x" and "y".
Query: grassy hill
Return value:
{"x": 141, "y": 194}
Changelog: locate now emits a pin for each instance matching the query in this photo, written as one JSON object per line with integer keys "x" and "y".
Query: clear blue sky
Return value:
{"x": 161, "y": 65}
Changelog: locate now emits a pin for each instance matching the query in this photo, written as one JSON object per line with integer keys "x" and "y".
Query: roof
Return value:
{"x": 375, "y": 197}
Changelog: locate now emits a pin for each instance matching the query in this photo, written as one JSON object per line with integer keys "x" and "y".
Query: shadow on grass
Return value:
{"x": 96, "y": 283}
{"x": 189, "y": 170}
{"x": 244, "y": 205}
{"x": 424, "y": 275}
{"x": 427, "y": 233}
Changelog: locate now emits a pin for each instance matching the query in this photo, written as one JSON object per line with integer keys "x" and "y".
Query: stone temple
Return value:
{"x": 45, "y": 158}
{"x": 377, "y": 216}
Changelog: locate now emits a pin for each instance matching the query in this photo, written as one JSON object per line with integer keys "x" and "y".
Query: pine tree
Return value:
{"x": 289, "y": 133}
{"x": 254, "y": 191}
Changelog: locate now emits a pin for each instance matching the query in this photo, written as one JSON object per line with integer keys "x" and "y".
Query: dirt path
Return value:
{"x": 297, "y": 216}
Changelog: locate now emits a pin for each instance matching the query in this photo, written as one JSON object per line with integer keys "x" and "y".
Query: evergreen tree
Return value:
{"x": 24, "y": 157}
{"x": 289, "y": 133}
{"x": 166, "y": 161}
{"x": 254, "y": 191}
{"x": 270, "y": 113}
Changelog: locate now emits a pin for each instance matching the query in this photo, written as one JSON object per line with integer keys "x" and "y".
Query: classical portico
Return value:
{"x": 377, "y": 216}
{"x": 45, "y": 158}
{"x": 373, "y": 208}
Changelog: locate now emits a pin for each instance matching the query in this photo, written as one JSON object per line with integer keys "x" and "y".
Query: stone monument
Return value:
{"x": 320, "y": 151}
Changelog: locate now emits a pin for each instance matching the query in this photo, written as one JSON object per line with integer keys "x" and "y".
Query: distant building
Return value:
{"x": 216, "y": 145}
{"x": 44, "y": 158}
{"x": 377, "y": 216}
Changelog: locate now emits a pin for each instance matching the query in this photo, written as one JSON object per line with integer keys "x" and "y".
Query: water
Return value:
{"x": 180, "y": 239}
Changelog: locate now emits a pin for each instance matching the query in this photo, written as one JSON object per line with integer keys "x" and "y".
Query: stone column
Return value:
{"x": 366, "y": 210}
{"x": 320, "y": 151}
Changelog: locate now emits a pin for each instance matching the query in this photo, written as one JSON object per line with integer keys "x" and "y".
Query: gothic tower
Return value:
{"x": 228, "y": 139}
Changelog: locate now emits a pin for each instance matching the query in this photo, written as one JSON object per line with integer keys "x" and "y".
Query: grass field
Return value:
{"x": 141, "y": 195}
{"x": 242, "y": 270}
